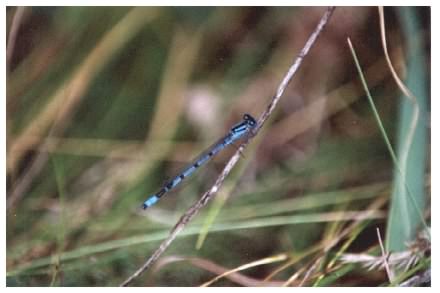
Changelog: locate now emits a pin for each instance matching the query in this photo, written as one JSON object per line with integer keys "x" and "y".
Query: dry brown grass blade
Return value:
{"x": 310, "y": 271}
{"x": 293, "y": 260}
{"x": 260, "y": 262}
{"x": 405, "y": 90}
{"x": 218, "y": 270}
{"x": 15, "y": 25}
{"x": 293, "y": 278}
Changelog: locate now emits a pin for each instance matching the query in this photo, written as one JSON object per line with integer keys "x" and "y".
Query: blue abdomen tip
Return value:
{"x": 151, "y": 201}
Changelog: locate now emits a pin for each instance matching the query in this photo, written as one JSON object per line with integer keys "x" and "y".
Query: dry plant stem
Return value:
{"x": 16, "y": 22}
{"x": 193, "y": 210}
{"x": 293, "y": 278}
{"x": 384, "y": 257}
{"x": 310, "y": 271}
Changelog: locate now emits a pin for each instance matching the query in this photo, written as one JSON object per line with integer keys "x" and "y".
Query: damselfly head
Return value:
{"x": 249, "y": 119}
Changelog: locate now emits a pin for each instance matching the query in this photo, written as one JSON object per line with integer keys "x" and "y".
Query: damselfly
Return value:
{"x": 237, "y": 131}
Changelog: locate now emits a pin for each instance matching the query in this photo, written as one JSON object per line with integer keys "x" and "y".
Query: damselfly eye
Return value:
{"x": 250, "y": 120}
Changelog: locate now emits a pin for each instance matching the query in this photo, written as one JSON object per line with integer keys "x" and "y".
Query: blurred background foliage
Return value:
{"x": 105, "y": 103}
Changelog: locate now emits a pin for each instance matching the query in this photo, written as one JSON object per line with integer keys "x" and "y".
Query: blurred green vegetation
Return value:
{"x": 105, "y": 103}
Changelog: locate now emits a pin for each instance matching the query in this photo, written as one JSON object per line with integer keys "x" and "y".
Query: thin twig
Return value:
{"x": 208, "y": 195}
{"x": 13, "y": 33}
{"x": 385, "y": 258}
{"x": 310, "y": 271}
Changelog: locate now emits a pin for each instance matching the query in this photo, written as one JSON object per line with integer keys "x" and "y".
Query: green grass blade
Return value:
{"x": 413, "y": 170}
{"x": 402, "y": 227}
